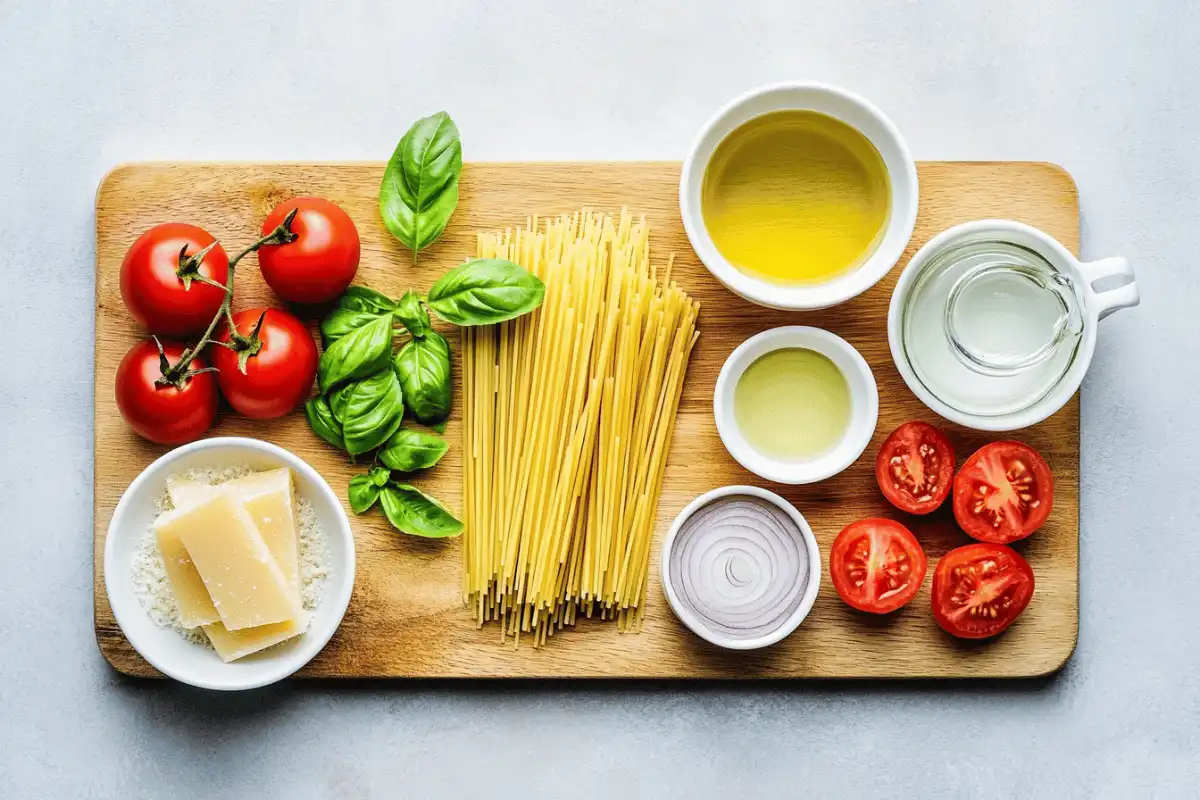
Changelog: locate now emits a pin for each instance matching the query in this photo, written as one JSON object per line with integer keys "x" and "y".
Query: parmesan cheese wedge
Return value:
{"x": 195, "y": 606}
{"x": 232, "y": 645}
{"x": 270, "y": 498}
{"x": 245, "y": 584}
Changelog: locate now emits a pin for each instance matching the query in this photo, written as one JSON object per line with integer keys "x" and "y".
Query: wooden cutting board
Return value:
{"x": 405, "y": 618}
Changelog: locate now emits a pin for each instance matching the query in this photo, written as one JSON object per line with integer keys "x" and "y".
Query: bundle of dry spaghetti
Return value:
{"x": 569, "y": 413}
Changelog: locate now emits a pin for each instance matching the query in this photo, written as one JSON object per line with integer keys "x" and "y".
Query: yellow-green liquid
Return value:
{"x": 795, "y": 197}
{"x": 792, "y": 404}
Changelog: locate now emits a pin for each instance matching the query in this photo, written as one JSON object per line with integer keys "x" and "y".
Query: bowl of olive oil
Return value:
{"x": 795, "y": 404}
{"x": 799, "y": 196}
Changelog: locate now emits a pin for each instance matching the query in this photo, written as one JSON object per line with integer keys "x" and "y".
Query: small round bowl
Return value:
{"x": 1086, "y": 277}
{"x": 196, "y": 664}
{"x": 696, "y": 625}
{"x": 840, "y": 104}
{"x": 864, "y": 404}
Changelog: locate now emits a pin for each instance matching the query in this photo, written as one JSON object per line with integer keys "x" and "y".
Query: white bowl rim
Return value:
{"x": 905, "y": 196}
{"x": 1060, "y": 257}
{"x": 810, "y": 592}
{"x": 864, "y": 398}
{"x": 339, "y": 601}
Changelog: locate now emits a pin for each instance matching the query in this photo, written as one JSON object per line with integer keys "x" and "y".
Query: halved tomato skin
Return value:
{"x": 980, "y": 589}
{"x": 1003, "y": 493}
{"x": 915, "y": 468}
{"x": 876, "y": 565}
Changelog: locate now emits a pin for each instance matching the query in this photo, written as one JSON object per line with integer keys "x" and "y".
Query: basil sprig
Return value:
{"x": 423, "y": 367}
{"x": 412, "y": 511}
{"x": 364, "y": 386}
{"x": 484, "y": 291}
{"x": 371, "y": 411}
{"x": 420, "y": 185}
{"x": 409, "y": 450}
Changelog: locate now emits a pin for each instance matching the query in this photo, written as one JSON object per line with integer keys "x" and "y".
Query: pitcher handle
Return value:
{"x": 1110, "y": 300}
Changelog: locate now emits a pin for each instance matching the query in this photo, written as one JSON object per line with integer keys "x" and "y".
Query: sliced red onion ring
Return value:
{"x": 739, "y": 567}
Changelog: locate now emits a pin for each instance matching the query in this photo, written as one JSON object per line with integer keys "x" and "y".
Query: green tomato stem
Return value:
{"x": 282, "y": 234}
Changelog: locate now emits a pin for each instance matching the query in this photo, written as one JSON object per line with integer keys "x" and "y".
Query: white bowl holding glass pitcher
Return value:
{"x": 765, "y": 173}
{"x": 993, "y": 323}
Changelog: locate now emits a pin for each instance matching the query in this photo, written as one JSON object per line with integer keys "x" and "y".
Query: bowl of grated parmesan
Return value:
{"x": 315, "y": 574}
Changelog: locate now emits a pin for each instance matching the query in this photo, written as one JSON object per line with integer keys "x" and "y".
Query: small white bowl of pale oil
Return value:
{"x": 795, "y": 404}
{"x": 993, "y": 323}
{"x": 799, "y": 195}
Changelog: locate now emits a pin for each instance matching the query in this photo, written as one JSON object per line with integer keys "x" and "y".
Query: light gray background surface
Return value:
{"x": 1108, "y": 88}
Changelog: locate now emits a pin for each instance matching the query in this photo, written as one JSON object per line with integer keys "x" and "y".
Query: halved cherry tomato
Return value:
{"x": 161, "y": 279}
{"x": 1003, "y": 493}
{"x": 280, "y": 365}
{"x": 980, "y": 589}
{"x": 321, "y": 261}
{"x": 915, "y": 468}
{"x": 876, "y": 565}
{"x": 164, "y": 414}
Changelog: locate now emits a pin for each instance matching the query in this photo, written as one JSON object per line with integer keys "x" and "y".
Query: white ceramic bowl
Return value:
{"x": 837, "y": 103}
{"x": 165, "y": 649}
{"x": 864, "y": 402}
{"x": 696, "y": 625}
{"x": 1096, "y": 302}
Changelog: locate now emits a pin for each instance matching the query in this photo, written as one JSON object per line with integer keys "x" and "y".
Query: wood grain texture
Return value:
{"x": 405, "y": 618}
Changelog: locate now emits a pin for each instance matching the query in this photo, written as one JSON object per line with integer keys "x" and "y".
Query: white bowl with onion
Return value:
{"x": 740, "y": 567}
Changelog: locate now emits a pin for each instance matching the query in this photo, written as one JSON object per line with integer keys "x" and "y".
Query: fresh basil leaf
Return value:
{"x": 360, "y": 298}
{"x": 423, "y": 366}
{"x": 409, "y": 450}
{"x": 362, "y": 493}
{"x": 412, "y": 314}
{"x": 343, "y": 321}
{"x": 323, "y": 422}
{"x": 440, "y": 427}
{"x": 485, "y": 290}
{"x": 420, "y": 185}
{"x": 372, "y": 411}
{"x": 413, "y": 512}
{"x": 379, "y": 475}
{"x": 337, "y": 402}
{"x": 359, "y": 353}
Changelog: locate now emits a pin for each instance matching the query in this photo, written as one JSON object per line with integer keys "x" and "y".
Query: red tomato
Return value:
{"x": 320, "y": 263}
{"x": 280, "y": 367}
{"x": 1003, "y": 493}
{"x": 980, "y": 589}
{"x": 876, "y": 565}
{"x": 164, "y": 414}
{"x": 915, "y": 467}
{"x": 153, "y": 286}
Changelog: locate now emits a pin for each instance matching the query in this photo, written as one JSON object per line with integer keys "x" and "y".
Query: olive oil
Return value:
{"x": 792, "y": 404}
{"x": 795, "y": 197}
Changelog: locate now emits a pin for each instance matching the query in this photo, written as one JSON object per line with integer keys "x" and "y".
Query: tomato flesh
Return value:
{"x": 321, "y": 261}
{"x": 876, "y": 565}
{"x": 1003, "y": 493}
{"x": 279, "y": 376}
{"x": 915, "y": 468}
{"x": 980, "y": 589}
{"x": 164, "y": 414}
{"x": 153, "y": 291}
